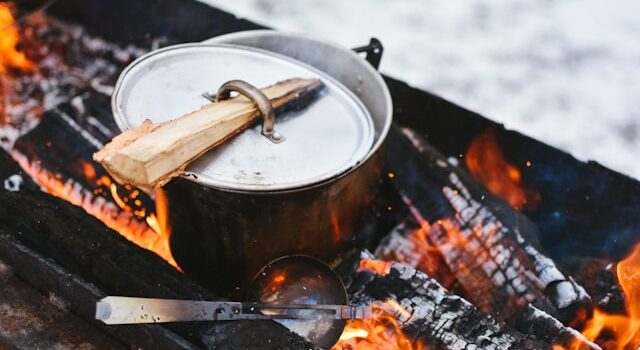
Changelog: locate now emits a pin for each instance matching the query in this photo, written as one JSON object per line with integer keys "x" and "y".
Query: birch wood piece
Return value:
{"x": 149, "y": 155}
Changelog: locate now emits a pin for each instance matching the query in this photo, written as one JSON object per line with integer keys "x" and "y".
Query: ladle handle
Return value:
{"x": 130, "y": 310}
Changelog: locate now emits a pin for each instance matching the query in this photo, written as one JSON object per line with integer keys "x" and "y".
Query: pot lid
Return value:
{"x": 323, "y": 140}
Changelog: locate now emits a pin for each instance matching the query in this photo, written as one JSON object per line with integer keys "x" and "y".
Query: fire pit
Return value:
{"x": 479, "y": 238}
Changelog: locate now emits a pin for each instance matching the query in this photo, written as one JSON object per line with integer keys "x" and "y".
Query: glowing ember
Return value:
{"x": 89, "y": 171}
{"x": 10, "y": 57}
{"x": 381, "y": 332}
{"x": 487, "y": 165}
{"x": 378, "y": 267}
{"x": 624, "y": 330}
{"x": 417, "y": 249}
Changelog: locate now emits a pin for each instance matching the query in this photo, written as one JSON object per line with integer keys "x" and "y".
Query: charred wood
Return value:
{"x": 440, "y": 319}
{"x": 62, "y": 144}
{"x": 599, "y": 278}
{"x": 535, "y": 321}
{"x": 406, "y": 244}
{"x": 57, "y": 154}
{"x": 491, "y": 248}
{"x": 67, "y": 63}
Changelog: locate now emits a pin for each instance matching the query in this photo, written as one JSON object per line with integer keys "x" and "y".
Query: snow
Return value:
{"x": 565, "y": 72}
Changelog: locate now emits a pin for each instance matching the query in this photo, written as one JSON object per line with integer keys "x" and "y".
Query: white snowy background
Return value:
{"x": 565, "y": 72}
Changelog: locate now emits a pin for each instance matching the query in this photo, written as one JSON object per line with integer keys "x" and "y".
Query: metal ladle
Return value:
{"x": 302, "y": 293}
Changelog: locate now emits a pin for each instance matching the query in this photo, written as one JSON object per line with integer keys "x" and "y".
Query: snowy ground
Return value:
{"x": 565, "y": 72}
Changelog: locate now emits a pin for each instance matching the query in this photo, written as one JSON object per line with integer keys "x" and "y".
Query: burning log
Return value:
{"x": 447, "y": 321}
{"x": 598, "y": 276}
{"x": 149, "y": 155}
{"x": 535, "y": 321}
{"x": 490, "y": 248}
{"x": 440, "y": 319}
{"x": 400, "y": 245}
{"x": 620, "y": 330}
{"x": 90, "y": 250}
{"x": 57, "y": 154}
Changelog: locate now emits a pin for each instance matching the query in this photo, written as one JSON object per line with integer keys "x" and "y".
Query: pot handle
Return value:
{"x": 259, "y": 99}
{"x": 374, "y": 52}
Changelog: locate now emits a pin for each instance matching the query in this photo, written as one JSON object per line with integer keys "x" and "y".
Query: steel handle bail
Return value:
{"x": 259, "y": 99}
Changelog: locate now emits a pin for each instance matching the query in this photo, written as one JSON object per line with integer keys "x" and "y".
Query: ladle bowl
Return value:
{"x": 300, "y": 279}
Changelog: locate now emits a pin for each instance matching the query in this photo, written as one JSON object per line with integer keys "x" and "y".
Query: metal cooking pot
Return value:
{"x": 251, "y": 201}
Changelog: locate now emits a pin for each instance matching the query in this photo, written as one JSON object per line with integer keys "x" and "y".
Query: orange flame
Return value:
{"x": 487, "y": 164}
{"x": 159, "y": 222}
{"x": 10, "y": 57}
{"x": 378, "y": 267}
{"x": 381, "y": 332}
{"x": 418, "y": 249}
{"x": 152, "y": 234}
{"x": 420, "y": 252}
{"x": 624, "y": 329}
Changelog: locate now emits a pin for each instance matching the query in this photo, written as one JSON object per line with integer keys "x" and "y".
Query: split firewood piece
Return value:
{"x": 149, "y": 155}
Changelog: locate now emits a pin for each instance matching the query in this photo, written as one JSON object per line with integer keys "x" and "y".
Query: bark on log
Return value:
{"x": 490, "y": 248}
{"x": 82, "y": 245}
{"x": 150, "y": 155}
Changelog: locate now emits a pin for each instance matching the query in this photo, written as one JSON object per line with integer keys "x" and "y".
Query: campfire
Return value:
{"x": 456, "y": 253}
